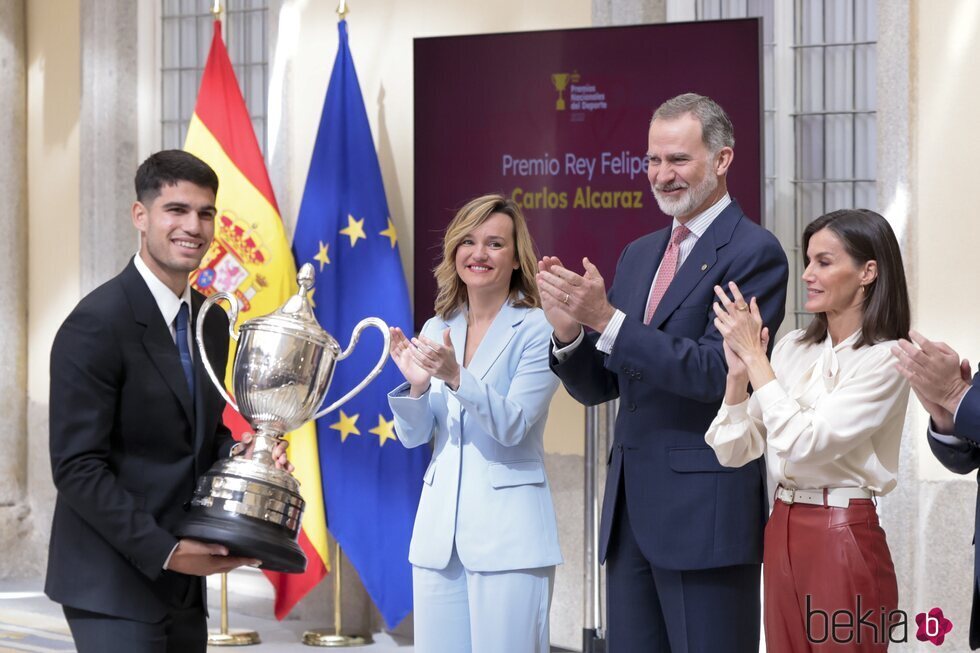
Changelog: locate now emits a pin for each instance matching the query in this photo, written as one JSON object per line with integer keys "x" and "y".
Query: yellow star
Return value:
{"x": 354, "y": 229}
{"x": 346, "y": 426}
{"x": 391, "y": 233}
{"x": 323, "y": 256}
{"x": 384, "y": 430}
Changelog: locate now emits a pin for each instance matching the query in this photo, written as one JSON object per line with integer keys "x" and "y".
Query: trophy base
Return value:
{"x": 233, "y": 637}
{"x": 246, "y": 537}
{"x": 328, "y": 638}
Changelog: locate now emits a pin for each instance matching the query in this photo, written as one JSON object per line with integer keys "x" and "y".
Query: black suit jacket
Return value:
{"x": 686, "y": 510}
{"x": 127, "y": 445}
{"x": 963, "y": 460}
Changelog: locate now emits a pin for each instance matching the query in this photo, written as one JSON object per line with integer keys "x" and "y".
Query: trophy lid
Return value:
{"x": 296, "y": 316}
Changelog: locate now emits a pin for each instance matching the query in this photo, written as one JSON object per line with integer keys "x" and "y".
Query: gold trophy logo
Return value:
{"x": 560, "y": 81}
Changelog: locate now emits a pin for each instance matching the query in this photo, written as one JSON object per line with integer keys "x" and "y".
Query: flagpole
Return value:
{"x": 224, "y": 636}
{"x": 323, "y": 636}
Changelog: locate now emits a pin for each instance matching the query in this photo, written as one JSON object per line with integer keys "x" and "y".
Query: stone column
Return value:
{"x": 929, "y": 521}
{"x": 13, "y": 279}
{"x": 628, "y": 12}
{"x": 109, "y": 137}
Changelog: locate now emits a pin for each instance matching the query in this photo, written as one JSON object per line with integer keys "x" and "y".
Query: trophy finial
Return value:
{"x": 305, "y": 277}
{"x": 298, "y": 306}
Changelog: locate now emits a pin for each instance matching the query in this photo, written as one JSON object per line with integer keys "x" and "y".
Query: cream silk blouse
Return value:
{"x": 832, "y": 417}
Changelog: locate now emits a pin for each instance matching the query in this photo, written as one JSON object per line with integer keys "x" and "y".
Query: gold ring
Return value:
{"x": 741, "y": 306}
{"x": 565, "y": 301}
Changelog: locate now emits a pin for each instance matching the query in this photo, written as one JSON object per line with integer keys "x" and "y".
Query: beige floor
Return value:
{"x": 31, "y": 622}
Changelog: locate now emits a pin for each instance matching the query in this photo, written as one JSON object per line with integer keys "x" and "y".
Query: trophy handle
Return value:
{"x": 363, "y": 324}
{"x": 199, "y": 337}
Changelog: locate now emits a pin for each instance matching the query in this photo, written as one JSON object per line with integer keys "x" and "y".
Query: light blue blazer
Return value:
{"x": 498, "y": 511}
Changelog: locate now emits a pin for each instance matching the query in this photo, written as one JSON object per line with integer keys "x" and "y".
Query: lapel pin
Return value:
{"x": 704, "y": 266}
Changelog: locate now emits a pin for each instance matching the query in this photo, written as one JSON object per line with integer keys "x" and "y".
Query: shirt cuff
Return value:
{"x": 949, "y": 440}
{"x": 736, "y": 412}
{"x": 608, "y": 336}
{"x": 166, "y": 563}
{"x": 770, "y": 394}
{"x": 562, "y": 353}
{"x": 955, "y": 412}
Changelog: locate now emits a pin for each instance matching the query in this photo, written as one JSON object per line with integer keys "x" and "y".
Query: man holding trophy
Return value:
{"x": 134, "y": 423}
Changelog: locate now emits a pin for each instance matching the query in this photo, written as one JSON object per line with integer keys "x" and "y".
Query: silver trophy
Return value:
{"x": 282, "y": 370}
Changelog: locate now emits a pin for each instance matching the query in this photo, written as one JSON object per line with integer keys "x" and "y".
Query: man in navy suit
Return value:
{"x": 681, "y": 535}
{"x": 942, "y": 382}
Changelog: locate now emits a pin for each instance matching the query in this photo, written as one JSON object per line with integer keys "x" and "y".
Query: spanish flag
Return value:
{"x": 251, "y": 258}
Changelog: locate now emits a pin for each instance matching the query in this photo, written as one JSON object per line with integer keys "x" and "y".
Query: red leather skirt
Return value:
{"x": 829, "y": 582}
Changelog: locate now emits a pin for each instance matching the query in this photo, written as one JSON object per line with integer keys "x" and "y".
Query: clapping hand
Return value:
{"x": 556, "y": 312}
{"x": 438, "y": 359}
{"x": 745, "y": 343}
{"x": 582, "y": 297}
{"x": 403, "y": 354}
{"x": 936, "y": 374}
{"x": 740, "y": 323}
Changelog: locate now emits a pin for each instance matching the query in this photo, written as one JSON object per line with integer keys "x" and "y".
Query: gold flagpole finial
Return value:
{"x": 216, "y": 9}
{"x": 342, "y": 10}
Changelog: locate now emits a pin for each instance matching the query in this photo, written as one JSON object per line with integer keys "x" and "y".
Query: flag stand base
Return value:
{"x": 233, "y": 638}
{"x": 227, "y": 636}
{"x": 331, "y": 637}
{"x": 328, "y": 638}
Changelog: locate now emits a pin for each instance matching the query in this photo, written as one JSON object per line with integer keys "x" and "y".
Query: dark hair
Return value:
{"x": 716, "y": 127}
{"x": 167, "y": 168}
{"x": 867, "y": 236}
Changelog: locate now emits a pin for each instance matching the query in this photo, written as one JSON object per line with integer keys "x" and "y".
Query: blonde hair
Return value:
{"x": 452, "y": 291}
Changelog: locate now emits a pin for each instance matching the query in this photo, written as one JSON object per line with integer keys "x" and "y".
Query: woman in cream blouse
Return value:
{"x": 828, "y": 412}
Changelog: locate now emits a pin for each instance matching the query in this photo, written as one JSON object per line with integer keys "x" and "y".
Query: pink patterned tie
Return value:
{"x": 668, "y": 268}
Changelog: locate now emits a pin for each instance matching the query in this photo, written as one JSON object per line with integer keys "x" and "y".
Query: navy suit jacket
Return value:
{"x": 686, "y": 510}
{"x": 128, "y": 442}
{"x": 963, "y": 460}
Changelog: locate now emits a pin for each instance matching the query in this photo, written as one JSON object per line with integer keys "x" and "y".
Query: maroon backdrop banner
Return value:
{"x": 558, "y": 121}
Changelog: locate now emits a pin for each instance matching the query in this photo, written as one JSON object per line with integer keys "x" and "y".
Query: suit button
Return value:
{"x": 631, "y": 407}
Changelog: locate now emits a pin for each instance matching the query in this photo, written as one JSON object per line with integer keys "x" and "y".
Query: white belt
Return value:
{"x": 837, "y": 497}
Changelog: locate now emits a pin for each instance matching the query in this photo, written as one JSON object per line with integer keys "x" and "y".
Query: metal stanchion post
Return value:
{"x": 226, "y": 637}
{"x": 599, "y": 425}
{"x": 323, "y": 637}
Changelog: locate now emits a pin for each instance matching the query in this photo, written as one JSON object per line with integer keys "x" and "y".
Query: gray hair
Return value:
{"x": 716, "y": 128}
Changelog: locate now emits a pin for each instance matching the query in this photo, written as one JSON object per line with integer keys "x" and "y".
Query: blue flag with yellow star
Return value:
{"x": 371, "y": 483}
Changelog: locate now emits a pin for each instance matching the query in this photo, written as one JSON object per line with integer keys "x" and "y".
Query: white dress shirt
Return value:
{"x": 697, "y": 225}
{"x": 951, "y": 440}
{"x": 832, "y": 417}
{"x": 169, "y": 305}
{"x": 167, "y": 301}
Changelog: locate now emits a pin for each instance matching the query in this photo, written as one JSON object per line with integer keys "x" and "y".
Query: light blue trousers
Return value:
{"x": 462, "y": 611}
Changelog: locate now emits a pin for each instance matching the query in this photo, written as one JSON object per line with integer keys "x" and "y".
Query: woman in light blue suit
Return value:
{"x": 478, "y": 385}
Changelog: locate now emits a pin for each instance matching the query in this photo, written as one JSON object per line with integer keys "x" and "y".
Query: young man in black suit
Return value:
{"x": 134, "y": 421}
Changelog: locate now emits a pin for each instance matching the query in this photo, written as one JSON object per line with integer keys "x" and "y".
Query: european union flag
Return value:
{"x": 371, "y": 483}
